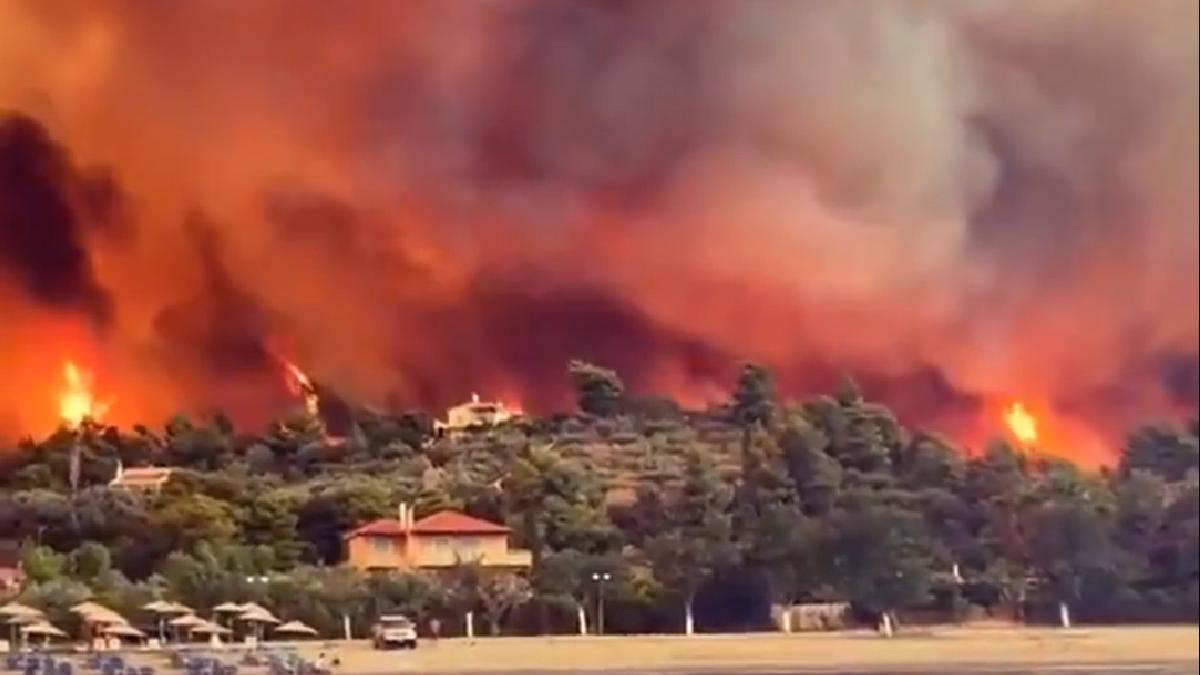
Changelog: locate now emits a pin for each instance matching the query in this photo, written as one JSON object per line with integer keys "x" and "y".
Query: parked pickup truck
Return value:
{"x": 394, "y": 631}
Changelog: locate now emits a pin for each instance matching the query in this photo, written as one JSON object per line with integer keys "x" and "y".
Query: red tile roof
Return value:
{"x": 453, "y": 522}
{"x": 442, "y": 522}
{"x": 385, "y": 527}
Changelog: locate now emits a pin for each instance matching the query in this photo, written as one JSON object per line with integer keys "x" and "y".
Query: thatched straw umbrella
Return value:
{"x": 43, "y": 630}
{"x": 162, "y": 609}
{"x": 15, "y": 615}
{"x": 295, "y": 628}
{"x": 96, "y": 617}
{"x": 211, "y": 629}
{"x": 122, "y": 631}
{"x": 14, "y": 609}
{"x": 96, "y": 613}
{"x": 226, "y": 611}
{"x": 259, "y": 617}
{"x": 185, "y": 623}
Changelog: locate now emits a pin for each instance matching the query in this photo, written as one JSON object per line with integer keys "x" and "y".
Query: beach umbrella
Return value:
{"x": 259, "y": 616}
{"x": 16, "y": 615}
{"x": 228, "y": 610}
{"x": 102, "y": 617}
{"x": 295, "y": 628}
{"x": 92, "y": 612}
{"x": 15, "y": 610}
{"x": 166, "y": 607}
{"x": 210, "y": 628}
{"x": 188, "y": 621}
{"x": 163, "y": 609}
{"x": 95, "y": 616}
{"x": 22, "y": 620}
{"x": 87, "y": 606}
{"x": 42, "y": 629}
{"x": 156, "y": 606}
{"x": 123, "y": 630}
{"x": 185, "y": 623}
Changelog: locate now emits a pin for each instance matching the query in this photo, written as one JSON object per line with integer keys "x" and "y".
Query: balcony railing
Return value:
{"x": 450, "y": 558}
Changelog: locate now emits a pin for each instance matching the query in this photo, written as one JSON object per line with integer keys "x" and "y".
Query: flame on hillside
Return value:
{"x": 1022, "y": 424}
{"x": 77, "y": 402}
{"x": 1050, "y": 429}
{"x": 301, "y": 385}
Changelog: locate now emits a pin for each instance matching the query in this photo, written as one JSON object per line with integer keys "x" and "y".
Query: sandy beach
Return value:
{"x": 938, "y": 650}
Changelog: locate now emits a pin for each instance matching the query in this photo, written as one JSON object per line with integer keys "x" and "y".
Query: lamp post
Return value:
{"x": 600, "y": 578}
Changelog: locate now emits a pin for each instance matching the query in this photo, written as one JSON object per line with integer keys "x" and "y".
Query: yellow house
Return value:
{"x": 441, "y": 540}
{"x": 141, "y": 479}
{"x": 474, "y": 414}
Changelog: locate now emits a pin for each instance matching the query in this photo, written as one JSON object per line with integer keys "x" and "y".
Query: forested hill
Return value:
{"x": 736, "y": 508}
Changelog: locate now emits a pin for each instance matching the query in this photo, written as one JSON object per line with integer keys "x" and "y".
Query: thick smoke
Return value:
{"x": 961, "y": 203}
{"x": 46, "y": 207}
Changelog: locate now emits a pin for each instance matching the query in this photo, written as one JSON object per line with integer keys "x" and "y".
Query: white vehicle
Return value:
{"x": 394, "y": 631}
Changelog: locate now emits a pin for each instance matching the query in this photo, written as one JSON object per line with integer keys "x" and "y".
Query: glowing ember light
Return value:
{"x": 300, "y": 385}
{"x": 1021, "y": 423}
{"x": 76, "y": 402}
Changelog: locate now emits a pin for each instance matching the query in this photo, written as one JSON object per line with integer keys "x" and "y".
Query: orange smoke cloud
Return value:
{"x": 960, "y": 203}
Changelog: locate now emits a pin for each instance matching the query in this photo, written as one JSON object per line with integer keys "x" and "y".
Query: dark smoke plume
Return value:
{"x": 46, "y": 206}
{"x": 225, "y": 325}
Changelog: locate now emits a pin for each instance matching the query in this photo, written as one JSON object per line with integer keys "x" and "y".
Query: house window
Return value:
{"x": 442, "y": 543}
{"x": 381, "y": 545}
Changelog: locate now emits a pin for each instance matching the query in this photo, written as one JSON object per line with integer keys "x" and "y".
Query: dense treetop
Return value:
{"x": 729, "y": 510}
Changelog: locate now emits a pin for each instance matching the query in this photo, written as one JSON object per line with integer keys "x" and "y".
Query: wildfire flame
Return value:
{"x": 300, "y": 385}
{"x": 76, "y": 402}
{"x": 1022, "y": 424}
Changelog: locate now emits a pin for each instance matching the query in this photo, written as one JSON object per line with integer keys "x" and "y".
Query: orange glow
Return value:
{"x": 1022, "y": 424}
{"x": 77, "y": 402}
{"x": 411, "y": 212}
{"x": 300, "y": 385}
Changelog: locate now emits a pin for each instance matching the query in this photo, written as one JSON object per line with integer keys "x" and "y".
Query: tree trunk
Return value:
{"x": 583, "y": 629}
{"x": 785, "y": 618}
{"x": 885, "y": 624}
{"x": 689, "y": 621}
{"x": 494, "y": 625}
{"x": 1064, "y": 615}
{"x": 470, "y": 625}
{"x": 534, "y": 533}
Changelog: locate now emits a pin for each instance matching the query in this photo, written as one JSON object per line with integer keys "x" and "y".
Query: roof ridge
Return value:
{"x": 446, "y": 521}
{"x": 451, "y": 519}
